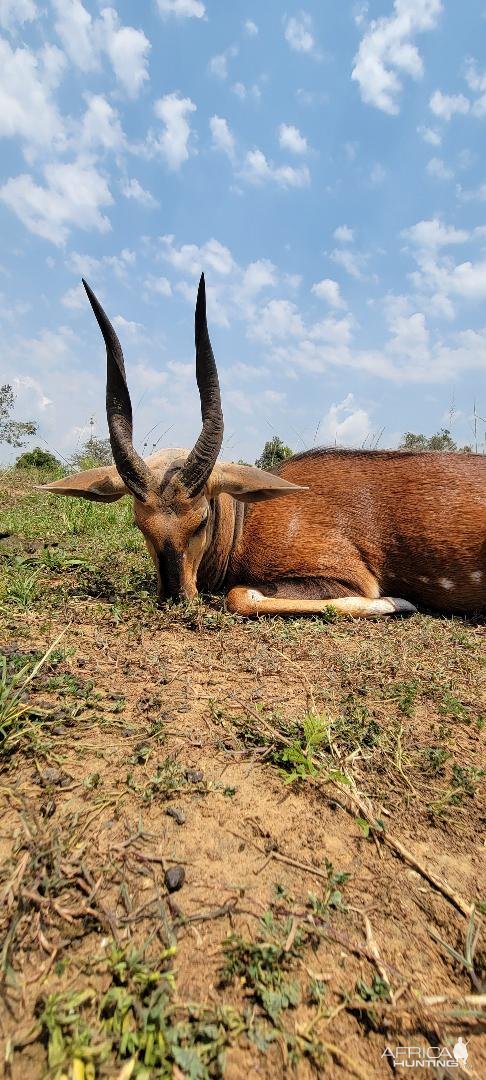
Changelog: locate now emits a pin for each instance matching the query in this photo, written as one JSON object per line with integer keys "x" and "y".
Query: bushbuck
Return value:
{"x": 340, "y": 528}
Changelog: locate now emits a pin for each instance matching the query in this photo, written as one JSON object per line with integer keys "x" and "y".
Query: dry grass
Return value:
{"x": 324, "y": 783}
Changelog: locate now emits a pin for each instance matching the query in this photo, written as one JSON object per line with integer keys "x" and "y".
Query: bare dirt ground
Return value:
{"x": 318, "y": 785}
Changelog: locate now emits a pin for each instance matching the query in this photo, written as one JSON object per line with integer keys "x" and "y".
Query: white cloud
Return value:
{"x": 345, "y": 424}
{"x": 310, "y": 98}
{"x": 25, "y": 382}
{"x": 16, "y": 11}
{"x": 257, "y": 276}
{"x": 465, "y": 159}
{"x": 329, "y": 291}
{"x": 387, "y": 48}
{"x": 89, "y": 267}
{"x": 74, "y": 26}
{"x": 429, "y": 135}
{"x": 290, "y": 138}
{"x": 299, "y": 32}
{"x": 218, "y": 65}
{"x": 240, "y": 90}
{"x": 191, "y": 259}
{"x": 437, "y": 168}
{"x": 477, "y": 82}
{"x": 277, "y": 319}
{"x": 222, "y": 138}
{"x": 149, "y": 377}
{"x": 438, "y": 280}
{"x": 243, "y": 92}
{"x": 410, "y": 337}
{"x": 101, "y": 124}
{"x": 332, "y": 331}
{"x": 173, "y": 143}
{"x": 85, "y": 40}
{"x": 160, "y": 285}
{"x": 353, "y": 262}
{"x": 247, "y": 372}
{"x": 360, "y": 13}
{"x": 27, "y": 110}
{"x": 377, "y": 175}
{"x": 72, "y": 197}
{"x": 128, "y": 51}
{"x": 250, "y": 28}
{"x": 433, "y": 235}
{"x": 469, "y": 280}
{"x": 478, "y": 193}
{"x": 447, "y": 105}
{"x": 133, "y": 331}
{"x": 74, "y": 298}
{"x": 132, "y": 189}
{"x": 343, "y": 234}
{"x": 258, "y": 170}
{"x": 182, "y": 9}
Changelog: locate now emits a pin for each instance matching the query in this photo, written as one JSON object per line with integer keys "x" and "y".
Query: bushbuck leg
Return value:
{"x": 347, "y": 584}
{"x": 248, "y": 601}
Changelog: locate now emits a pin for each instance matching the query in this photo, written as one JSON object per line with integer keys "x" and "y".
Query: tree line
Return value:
{"x": 96, "y": 452}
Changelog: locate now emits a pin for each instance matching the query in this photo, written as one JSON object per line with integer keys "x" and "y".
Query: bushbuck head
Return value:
{"x": 175, "y": 492}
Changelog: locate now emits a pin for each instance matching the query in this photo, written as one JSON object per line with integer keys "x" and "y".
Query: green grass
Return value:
{"x": 92, "y": 549}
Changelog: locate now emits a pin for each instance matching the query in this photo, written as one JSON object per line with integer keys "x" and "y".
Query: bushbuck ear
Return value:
{"x": 249, "y": 484}
{"x": 99, "y": 485}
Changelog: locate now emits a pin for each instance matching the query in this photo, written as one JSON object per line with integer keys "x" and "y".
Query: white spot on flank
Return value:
{"x": 445, "y": 583}
{"x": 293, "y": 527}
{"x": 424, "y": 580}
{"x": 477, "y": 575}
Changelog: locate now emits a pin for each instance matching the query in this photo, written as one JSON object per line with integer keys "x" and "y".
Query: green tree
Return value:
{"x": 38, "y": 459}
{"x": 12, "y": 432}
{"x": 442, "y": 441}
{"x": 273, "y": 453}
{"x": 93, "y": 453}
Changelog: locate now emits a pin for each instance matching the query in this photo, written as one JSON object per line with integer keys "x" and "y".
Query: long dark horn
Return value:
{"x": 129, "y": 464}
{"x": 202, "y": 458}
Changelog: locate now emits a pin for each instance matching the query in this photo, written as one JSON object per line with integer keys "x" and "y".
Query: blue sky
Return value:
{"x": 323, "y": 164}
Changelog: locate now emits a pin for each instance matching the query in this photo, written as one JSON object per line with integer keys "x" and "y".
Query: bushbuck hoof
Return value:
{"x": 397, "y": 606}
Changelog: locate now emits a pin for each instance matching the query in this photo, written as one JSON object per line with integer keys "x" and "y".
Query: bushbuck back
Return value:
{"x": 368, "y": 532}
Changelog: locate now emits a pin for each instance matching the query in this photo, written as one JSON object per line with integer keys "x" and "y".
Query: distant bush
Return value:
{"x": 94, "y": 453}
{"x": 38, "y": 459}
{"x": 442, "y": 441}
{"x": 274, "y": 452}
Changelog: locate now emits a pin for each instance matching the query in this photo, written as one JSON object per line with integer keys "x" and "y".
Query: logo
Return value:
{"x": 460, "y": 1051}
{"x": 428, "y": 1057}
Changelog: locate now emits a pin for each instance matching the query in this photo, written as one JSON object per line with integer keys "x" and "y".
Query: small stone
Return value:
{"x": 174, "y": 878}
{"x": 194, "y": 776}
{"x": 54, "y": 777}
{"x": 176, "y": 813}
